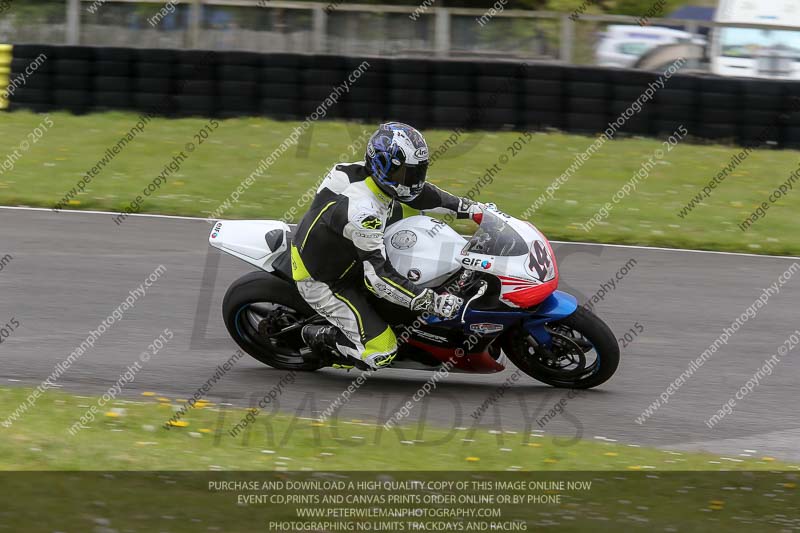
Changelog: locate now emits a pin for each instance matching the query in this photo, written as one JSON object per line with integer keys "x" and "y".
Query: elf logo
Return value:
{"x": 215, "y": 232}
{"x": 476, "y": 262}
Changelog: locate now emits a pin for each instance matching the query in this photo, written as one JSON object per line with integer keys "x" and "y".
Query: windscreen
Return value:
{"x": 496, "y": 237}
{"x": 749, "y": 42}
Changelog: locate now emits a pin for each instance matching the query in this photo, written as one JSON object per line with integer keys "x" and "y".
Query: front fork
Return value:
{"x": 557, "y": 306}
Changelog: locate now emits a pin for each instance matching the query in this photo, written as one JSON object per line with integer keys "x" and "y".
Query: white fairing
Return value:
{"x": 247, "y": 240}
{"x": 522, "y": 274}
{"x": 424, "y": 250}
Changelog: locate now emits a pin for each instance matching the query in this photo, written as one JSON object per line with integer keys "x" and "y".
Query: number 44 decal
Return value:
{"x": 539, "y": 261}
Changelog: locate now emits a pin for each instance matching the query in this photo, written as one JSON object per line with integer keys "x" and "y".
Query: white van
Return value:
{"x": 622, "y": 45}
{"x": 758, "y": 53}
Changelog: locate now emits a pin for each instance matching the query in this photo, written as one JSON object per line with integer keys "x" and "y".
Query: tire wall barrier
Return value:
{"x": 441, "y": 94}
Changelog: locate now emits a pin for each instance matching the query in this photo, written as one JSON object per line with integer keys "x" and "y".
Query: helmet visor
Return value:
{"x": 409, "y": 180}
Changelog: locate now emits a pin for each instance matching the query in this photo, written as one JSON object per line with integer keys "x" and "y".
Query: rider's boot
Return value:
{"x": 322, "y": 341}
{"x": 319, "y": 338}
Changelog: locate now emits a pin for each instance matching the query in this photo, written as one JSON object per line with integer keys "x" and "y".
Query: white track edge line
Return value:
{"x": 632, "y": 246}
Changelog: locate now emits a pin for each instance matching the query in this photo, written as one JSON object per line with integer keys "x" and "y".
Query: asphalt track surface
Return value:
{"x": 71, "y": 270}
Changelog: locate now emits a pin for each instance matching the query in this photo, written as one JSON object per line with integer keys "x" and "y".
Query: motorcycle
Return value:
{"x": 506, "y": 274}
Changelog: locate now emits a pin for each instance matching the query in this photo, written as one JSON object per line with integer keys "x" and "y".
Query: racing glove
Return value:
{"x": 470, "y": 209}
{"x": 446, "y": 305}
{"x": 442, "y": 305}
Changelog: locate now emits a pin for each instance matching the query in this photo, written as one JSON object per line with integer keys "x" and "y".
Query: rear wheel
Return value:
{"x": 257, "y": 306}
{"x": 583, "y": 354}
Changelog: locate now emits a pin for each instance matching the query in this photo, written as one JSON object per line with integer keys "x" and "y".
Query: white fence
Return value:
{"x": 316, "y": 27}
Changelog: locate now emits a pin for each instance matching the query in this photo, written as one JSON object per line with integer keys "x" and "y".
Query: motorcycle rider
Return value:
{"x": 338, "y": 250}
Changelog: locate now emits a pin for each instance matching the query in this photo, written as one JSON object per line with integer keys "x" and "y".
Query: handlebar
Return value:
{"x": 462, "y": 311}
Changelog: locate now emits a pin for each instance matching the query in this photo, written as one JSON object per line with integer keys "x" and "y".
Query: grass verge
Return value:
{"x": 621, "y": 488}
{"x": 53, "y": 165}
{"x": 129, "y": 435}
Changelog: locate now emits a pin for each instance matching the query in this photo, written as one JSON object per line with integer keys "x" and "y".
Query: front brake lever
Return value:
{"x": 477, "y": 295}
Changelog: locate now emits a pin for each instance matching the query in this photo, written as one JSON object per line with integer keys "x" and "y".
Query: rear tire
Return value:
{"x": 590, "y": 328}
{"x": 258, "y": 297}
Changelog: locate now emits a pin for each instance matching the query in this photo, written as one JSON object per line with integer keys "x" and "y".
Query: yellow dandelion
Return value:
{"x": 178, "y": 423}
{"x": 317, "y": 424}
{"x": 162, "y": 399}
{"x": 634, "y": 467}
{"x": 767, "y": 458}
{"x": 74, "y": 202}
{"x": 112, "y": 414}
{"x": 790, "y": 485}
{"x": 473, "y": 459}
{"x": 534, "y": 445}
{"x": 204, "y": 430}
{"x": 148, "y": 393}
{"x": 550, "y": 460}
{"x": 611, "y": 454}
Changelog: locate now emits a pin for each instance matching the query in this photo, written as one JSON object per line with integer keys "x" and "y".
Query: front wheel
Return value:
{"x": 583, "y": 353}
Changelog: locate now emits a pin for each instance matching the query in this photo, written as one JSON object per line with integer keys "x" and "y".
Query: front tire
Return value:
{"x": 567, "y": 364}
{"x": 260, "y": 303}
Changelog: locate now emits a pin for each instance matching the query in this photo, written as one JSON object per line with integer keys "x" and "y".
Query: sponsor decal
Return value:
{"x": 371, "y": 222}
{"x": 404, "y": 239}
{"x": 485, "y": 264}
{"x": 485, "y": 328}
{"x": 215, "y": 232}
{"x": 383, "y": 290}
{"x": 414, "y": 275}
{"x": 421, "y": 153}
{"x": 493, "y": 208}
{"x": 429, "y": 336}
{"x": 368, "y": 234}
